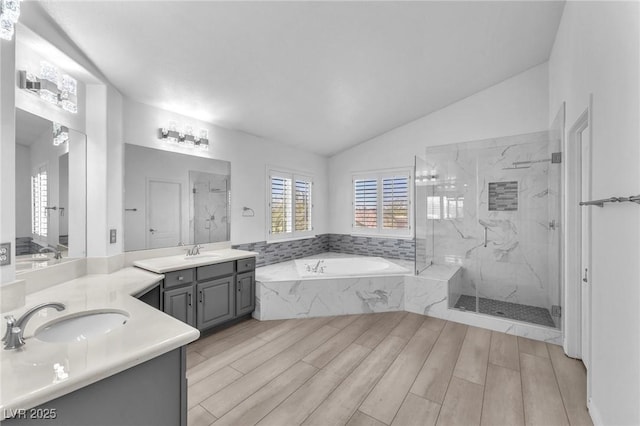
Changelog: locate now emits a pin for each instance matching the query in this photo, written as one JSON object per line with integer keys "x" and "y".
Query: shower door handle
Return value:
{"x": 585, "y": 279}
{"x": 485, "y": 236}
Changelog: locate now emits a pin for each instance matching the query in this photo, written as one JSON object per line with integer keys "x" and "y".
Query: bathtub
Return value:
{"x": 347, "y": 267}
{"x": 341, "y": 285}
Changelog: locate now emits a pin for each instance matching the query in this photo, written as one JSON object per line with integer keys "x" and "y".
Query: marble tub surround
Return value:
{"x": 328, "y": 297}
{"x": 161, "y": 265}
{"x": 515, "y": 265}
{"x": 28, "y": 375}
{"x": 281, "y": 292}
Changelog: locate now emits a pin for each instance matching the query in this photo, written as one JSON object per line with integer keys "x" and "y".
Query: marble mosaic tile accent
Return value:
{"x": 25, "y": 245}
{"x": 275, "y": 252}
{"x": 503, "y": 196}
{"x": 391, "y": 248}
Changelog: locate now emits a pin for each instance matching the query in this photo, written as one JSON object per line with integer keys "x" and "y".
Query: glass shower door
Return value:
{"x": 494, "y": 210}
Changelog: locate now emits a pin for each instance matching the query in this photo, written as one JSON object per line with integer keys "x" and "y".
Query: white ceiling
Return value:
{"x": 322, "y": 76}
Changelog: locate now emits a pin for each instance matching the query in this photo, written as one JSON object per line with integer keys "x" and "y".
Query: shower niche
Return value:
{"x": 492, "y": 208}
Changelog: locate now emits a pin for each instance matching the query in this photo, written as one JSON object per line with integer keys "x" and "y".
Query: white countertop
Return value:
{"x": 28, "y": 377}
{"x": 162, "y": 265}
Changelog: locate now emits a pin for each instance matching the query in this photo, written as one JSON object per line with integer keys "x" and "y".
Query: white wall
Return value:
{"x": 23, "y": 192}
{"x": 514, "y": 106}
{"x": 7, "y": 154}
{"x": 597, "y": 51}
{"x": 249, "y": 156}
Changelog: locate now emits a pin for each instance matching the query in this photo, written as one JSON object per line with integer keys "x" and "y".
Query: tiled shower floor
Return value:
{"x": 515, "y": 311}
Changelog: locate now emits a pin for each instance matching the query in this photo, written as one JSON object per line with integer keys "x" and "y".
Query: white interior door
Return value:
{"x": 585, "y": 246}
{"x": 163, "y": 213}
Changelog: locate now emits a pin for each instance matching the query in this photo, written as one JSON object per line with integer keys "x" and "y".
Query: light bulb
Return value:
{"x": 6, "y": 27}
{"x": 68, "y": 94}
{"x": 11, "y": 9}
{"x": 49, "y": 82}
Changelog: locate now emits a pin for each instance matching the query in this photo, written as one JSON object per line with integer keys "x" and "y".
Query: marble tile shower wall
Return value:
{"x": 270, "y": 253}
{"x": 513, "y": 265}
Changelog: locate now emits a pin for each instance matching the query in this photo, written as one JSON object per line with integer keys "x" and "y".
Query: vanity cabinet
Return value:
{"x": 178, "y": 303}
{"x": 211, "y": 295}
{"x": 246, "y": 293}
{"x": 215, "y": 302}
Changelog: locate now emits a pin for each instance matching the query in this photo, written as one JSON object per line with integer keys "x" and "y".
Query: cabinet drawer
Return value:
{"x": 217, "y": 270}
{"x": 176, "y": 278}
{"x": 246, "y": 265}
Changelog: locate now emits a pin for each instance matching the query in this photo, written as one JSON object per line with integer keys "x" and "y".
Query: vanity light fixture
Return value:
{"x": 172, "y": 134}
{"x": 9, "y": 14}
{"x": 60, "y": 90}
{"x": 60, "y": 134}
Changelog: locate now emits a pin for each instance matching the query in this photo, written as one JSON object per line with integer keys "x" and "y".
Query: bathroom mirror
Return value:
{"x": 173, "y": 199}
{"x": 51, "y": 208}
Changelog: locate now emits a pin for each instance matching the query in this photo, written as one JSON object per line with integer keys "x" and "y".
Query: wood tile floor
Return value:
{"x": 394, "y": 368}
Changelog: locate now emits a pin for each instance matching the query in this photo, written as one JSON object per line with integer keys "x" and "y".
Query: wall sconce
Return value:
{"x": 60, "y": 134}
{"x": 172, "y": 134}
{"x": 60, "y": 90}
{"x": 9, "y": 14}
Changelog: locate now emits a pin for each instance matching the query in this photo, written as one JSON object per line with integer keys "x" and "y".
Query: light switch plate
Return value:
{"x": 112, "y": 236}
{"x": 5, "y": 254}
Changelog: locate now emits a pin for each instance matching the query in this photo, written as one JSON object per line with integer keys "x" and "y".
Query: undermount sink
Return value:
{"x": 202, "y": 256}
{"x": 82, "y": 326}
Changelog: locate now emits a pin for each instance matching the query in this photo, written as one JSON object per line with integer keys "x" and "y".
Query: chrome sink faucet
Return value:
{"x": 194, "y": 251}
{"x": 13, "y": 338}
{"x": 55, "y": 251}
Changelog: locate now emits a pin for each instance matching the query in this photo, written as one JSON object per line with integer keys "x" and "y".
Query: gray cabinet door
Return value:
{"x": 246, "y": 293}
{"x": 179, "y": 304}
{"x": 215, "y": 302}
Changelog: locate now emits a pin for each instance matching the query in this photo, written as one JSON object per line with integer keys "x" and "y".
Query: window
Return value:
{"x": 444, "y": 207}
{"x": 290, "y": 205}
{"x": 39, "y": 203}
{"x": 381, "y": 203}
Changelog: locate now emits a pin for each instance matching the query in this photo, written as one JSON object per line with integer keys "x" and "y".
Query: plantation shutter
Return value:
{"x": 281, "y": 212}
{"x": 395, "y": 202}
{"x": 39, "y": 225}
{"x": 365, "y": 203}
{"x": 303, "y": 205}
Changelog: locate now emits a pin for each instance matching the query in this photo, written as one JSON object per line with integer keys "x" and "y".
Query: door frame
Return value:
{"x": 581, "y": 131}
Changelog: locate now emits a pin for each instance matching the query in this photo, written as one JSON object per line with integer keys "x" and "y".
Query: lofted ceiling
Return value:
{"x": 322, "y": 76}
